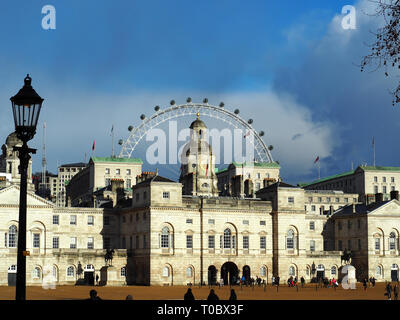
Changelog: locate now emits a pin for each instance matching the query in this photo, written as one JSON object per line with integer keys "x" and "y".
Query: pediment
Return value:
{"x": 391, "y": 208}
{"x": 10, "y": 197}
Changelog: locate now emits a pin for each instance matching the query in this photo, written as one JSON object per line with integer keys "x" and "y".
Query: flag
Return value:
{"x": 206, "y": 169}
{"x": 44, "y": 125}
{"x": 93, "y": 146}
{"x": 316, "y": 160}
{"x": 112, "y": 129}
{"x": 373, "y": 141}
{"x": 247, "y": 134}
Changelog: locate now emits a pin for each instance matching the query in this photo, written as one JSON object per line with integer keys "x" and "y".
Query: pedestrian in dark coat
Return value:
{"x": 233, "y": 295}
{"x": 212, "y": 295}
{"x": 396, "y": 292}
{"x": 188, "y": 295}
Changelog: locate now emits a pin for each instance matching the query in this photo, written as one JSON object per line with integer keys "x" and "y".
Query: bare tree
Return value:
{"x": 385, "y": 51}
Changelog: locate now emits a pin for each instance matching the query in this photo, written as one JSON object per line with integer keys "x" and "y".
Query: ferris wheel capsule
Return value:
{"x": 172, "y": 102}
{"x": 130, "y": 128}
{"x": 120, "y": 142}
{"x": 142, "y": 117}
{"x": 189, "y": 100}
{"x": 236, "y": 111}
{"x": 157, "y": 108}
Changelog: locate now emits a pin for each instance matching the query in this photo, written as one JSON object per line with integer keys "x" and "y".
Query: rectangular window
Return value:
{"x": 246, "y": 222}
{"x": 56, "y": 219}
{"x": 56, "y": 242}
{"x": 189, "y": 241}
{"x": 319, "y": 199}
{"x": 340, "y": 225}
{"x": 245, "y": 242}
{"x": 312, "y": 245}
{"x": 137, "y": 242}
{"x": 36, "y": 240}
{"x": 384, "y": 189}
{"x": 340, "y": 245}
{"x": 117, "y": 171}
{"x": 90, "y": 220}
{"x": 312, "y": 225}
{"x": 165, "y": 195}
{"x": 377, "y": 244}
{"x": 72, "y": 220}
{"x": 348, "y": 224}
{"x": 290, "y": 199}
{"x": 346, "y": 200}
{"x": 375, "y": 189}
{"x": 375, "y": 179}
{"x": 128, "y": 172}
{"x": 310, "y": 199}
{"x": 312, "y": 208}
{"x": 211, "y": 221}
{"x": 258, "y": 185}
{"x": 189, "y": 220}
{"x": 263, "y": 243}
{"x": 262, "y": 223}
{"x": 211, "y": 242}
{"x": 128, "y": 183}
{"x": 383, "y": 179}
{"x": 72, "y": 244}
{"x": 392, "y": 179}
{"x": 349, "y": 244}
{"x": 90, "y": 243}
{"x": 107, "y": 170}
{"x": 108, "y": 182}
{"x": 328, "y": 199}
{"x": 359, "y": 244}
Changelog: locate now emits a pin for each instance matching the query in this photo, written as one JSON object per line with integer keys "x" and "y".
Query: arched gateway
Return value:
{"x": 230, "y": 273}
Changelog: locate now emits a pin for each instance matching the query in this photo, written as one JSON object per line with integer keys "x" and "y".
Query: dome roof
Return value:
{"x": 197, "y": 124}
{"x": 12, "y": 140}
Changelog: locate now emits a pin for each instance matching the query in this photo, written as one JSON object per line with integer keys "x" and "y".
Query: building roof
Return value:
{"x": 360, "y": 208}
{"x": 116, "y": 159}
{"x": 77, "y": 164}
{"x": 305, "y": 184}
{"x": 379, "y": 168}
{"x": 156, "y": 178}
{"x": 254, "y": 164}
{"x": 276, "y": 185}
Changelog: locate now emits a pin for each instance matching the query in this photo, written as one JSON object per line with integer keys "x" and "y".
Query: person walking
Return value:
{"x": 396, "y": 292}
{"x": 129, "y": 297}
{"x": 212, "y": 295}
{"x": 388, "y": 291}
{"x": 97, "y": 279}
{"x": 233, "y": 295}
{"x": 365, "y": 284}
{"x": 189, "y": 295}
{"x": 302, "y": 281}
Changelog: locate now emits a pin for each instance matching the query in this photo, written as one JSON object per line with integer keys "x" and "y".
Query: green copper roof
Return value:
{"x": 112, "y": 159}
{"x": 258, "y": 164}
{"x": 379, "y": 168}
{"x": 326, "y": 179}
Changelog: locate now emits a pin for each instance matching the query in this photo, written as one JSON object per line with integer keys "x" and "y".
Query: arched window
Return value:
{"x": 263, "y": 271}
{"x": 292, "y": 271}
{"x": 70, "y": 271}
{"x": 55, "y": 272}
{"x": 189, "y": 272}
{"x": 227, "y": 238}
{"x": 36, "y": 273}
{"x": 123, "y": 272}
{"x": 290, "y": 240}
{"x": 308, "y": 271}
{"x": 165, "y": 272}
{"x": 379, "y": 272}
{"x": 392, "y": 241}
{"x": 165, "y": 234}
{"x": 333, "y": 271}
{"x": 12, "y": 236}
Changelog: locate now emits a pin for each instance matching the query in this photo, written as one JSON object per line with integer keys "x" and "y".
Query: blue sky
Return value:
{"x": 284, "y": 63}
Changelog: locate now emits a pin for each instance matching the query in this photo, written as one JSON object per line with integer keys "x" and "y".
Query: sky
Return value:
{"x": 289, "y": 65}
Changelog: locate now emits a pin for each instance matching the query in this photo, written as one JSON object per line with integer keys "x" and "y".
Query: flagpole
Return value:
{"x": 373, "y": 148}
{"x": 319, "y": 170}
{"x": 112, "y": 134}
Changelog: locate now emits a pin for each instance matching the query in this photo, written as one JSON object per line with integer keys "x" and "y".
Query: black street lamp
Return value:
{"x": 26, "y": 105}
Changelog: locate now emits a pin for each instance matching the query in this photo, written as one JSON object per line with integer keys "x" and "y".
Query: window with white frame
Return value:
{"x": 56, "y": 242}
{"x": 263, "y": 243}
{"x": 36, "y": 273}
{"x": 262, "y": 223}
{"x": 165, "y": 272}
{"x": 12, "y": 236}
{"x": 128, "y": 172}
{"x": 263, "y": 271}
{"x": 72, "y": 220}
{"x": 292, "y": 271}
{"x": 70, "y": 271}
{"x": 189, "y": 272}
{"x": 123, "y": 272}
{"x": 117, "y": 171}
{"x": 165, "y": 234}
{"x": 107, "y": 170}
{"x": 290, "y": 240}
{"x": 90, "y": 243}
{"x": 333, "y": 271}
{"x": 72, "y": 243}
{"x": 378, "y": 272}
{"x": 312, "y": 225}
{"x": 36, "y": 240}
{"x": 291, "y": 200}
{"x": 377, "y": 244}
{"x": 312, "y": 245}
{"x": 90, "y": 220}
{"x": 227, "y": 238}
{"x": 56, "y": 219}
{"x": 189, "y": 241}
{"x": 246, "y": 242}
{"x": 392, "y": 241}
{"x": 211, "y": 242}
{"x": 165, "y": 195}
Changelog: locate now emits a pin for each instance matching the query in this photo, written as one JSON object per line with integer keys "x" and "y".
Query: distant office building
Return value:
{"x": 65, "y": 173}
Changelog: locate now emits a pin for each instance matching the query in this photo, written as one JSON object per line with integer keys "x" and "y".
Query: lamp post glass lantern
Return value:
{"x": 26, "y": 106}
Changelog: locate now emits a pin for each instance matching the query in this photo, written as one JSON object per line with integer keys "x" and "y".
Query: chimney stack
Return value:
{"x": 378, "y": 197}
{"x": 354, "y": 207}
{"x": 394, "y": 195}
{"x": 330, "y": 210}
